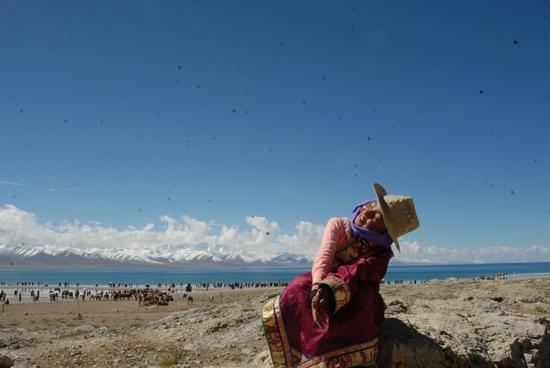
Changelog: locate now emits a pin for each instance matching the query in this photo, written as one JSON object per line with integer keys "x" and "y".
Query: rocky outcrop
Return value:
{"x": 466, "y": 328}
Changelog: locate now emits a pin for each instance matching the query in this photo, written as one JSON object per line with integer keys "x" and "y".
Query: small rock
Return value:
{"x": 6, "y": 361}
{"x": 396, "y": 306}
{"x": 218, "y": 326}
{"x": 264, "y": 355}
{"x": 533, "y": 299}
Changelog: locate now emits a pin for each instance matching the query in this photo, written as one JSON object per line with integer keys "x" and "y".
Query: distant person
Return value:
{"x": 331, "y": 316}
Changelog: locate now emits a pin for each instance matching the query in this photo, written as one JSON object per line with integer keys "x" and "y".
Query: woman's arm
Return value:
{"x": 333, "y": 236}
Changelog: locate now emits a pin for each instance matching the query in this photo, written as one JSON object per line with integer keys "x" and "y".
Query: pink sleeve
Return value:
{"x": 333, "y": 238}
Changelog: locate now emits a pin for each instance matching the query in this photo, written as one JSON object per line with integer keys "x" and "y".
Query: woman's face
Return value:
{"x": 370, "y": 217}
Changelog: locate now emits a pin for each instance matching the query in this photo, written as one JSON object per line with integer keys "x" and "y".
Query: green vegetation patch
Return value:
{"x": 174, "y": 357}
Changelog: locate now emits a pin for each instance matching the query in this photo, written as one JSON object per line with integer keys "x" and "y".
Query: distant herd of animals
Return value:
{"x": 144, "y": 297}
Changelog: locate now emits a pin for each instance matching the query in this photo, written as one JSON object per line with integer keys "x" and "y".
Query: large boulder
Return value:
{"x": 478, "y": 330}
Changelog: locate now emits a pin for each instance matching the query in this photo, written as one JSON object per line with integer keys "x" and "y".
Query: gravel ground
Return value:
{"x": 219, "y": 329}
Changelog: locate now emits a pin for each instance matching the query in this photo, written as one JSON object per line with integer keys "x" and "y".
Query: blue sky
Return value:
{"x": 118, "y": 113}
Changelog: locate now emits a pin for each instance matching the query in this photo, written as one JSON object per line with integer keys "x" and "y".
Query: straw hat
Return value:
{"x": 399, "y": 213}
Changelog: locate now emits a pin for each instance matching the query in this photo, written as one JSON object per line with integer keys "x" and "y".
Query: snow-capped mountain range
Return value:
{"x": 202, "y": 255}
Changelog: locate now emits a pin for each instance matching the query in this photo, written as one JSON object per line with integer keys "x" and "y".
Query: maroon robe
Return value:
{"x": 351, "y": 336}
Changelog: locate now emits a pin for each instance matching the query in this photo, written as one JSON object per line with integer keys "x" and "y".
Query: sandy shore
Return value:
{"x": 113, "y": 314}
{"x": 221, "y": 328}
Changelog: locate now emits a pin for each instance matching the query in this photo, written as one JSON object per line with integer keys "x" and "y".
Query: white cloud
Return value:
{"x": 262, "y": 223}
{"x": 306, "y": 239}
{"x": 413, "y": 251}
{"x": 12, "y": 183}
{"x": 261, "y": 237}
{"x": 18, "y": 226}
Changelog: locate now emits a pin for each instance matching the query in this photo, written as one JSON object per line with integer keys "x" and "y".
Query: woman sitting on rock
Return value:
{"x": 331, "y": 316}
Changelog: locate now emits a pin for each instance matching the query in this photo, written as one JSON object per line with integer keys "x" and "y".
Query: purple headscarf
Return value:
{"x": 366, "y": 234}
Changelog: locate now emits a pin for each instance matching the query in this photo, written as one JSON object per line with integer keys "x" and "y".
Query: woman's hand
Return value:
{"x": 319, "y": 307}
